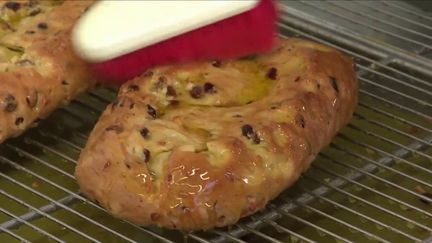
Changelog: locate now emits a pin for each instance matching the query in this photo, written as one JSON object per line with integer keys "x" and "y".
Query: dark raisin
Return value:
{"x": 133, "y": 87}
{"x": 13, "y": 6}
{"x": 221, "y": 218}
{"x": 6, "y": 26}
{"x": 247, "y": 131}
{"x": 117, "y": 103}
{"x": 131, "y": 106}
{"x": 152, "y": 175}
{"x": 272, "y": 73}
{"x": 151, "y": 111}
{"x": 32, "y": 99}
{"x": 174, "y": 102}
{"x": 160, "y": 84}
{"x": 426, "y": 194}
{"x": 116, "y": 128}
{"x": 297, "y": 79}
{"x": 209, "y": 88}
{"x": 196, "y": 92}
{"x": 148, "y": 74}
{"x": 42, "y": 26}
{"x": 249, "y": 57}
{"x": 30, "y": 32}
{"x": 256, "y": 139}
{"x": 230, "y": 176}
{"x": 64, "y": 82}
{"x": 15, "y": 48}
{"x": 127, "y": 165}
{"x": 25, "y": 63}
{"x": 35, "y": 12}
{"x": 155, "y": 216}
{"x": 146, "y": 153}
{"x": 36, "y": 122}
{"x": 334, "y": 84}
{"x": 32, "y": 3}
{"x": 10, "y": 103}
{"x": 318, "y": 84}
{"x": 169, "y": 178}
{"x": 144, "y": 132}
{"x": 107, "y": 164}
{"x": 300, "y": 121}
{"x": 355, "y": 67}
{"x": 19, "y": 120}
{"x": 216, "y": 63}
{"x": 185, "y": 209}
{"x": 171, "y": 91}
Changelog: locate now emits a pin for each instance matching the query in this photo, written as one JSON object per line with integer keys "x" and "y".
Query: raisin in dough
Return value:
{"x": 200, "y": 145}
{"x": 38, "y": 69}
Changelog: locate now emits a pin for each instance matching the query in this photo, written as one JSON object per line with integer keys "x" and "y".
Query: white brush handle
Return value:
{"x": 114, "y": 28}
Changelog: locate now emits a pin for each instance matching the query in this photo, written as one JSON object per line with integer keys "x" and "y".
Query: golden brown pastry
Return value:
{"x": 200, "y": 145}
{"x": 38, "y": 69}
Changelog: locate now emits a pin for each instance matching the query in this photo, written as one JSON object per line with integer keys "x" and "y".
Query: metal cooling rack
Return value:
{"x": 370, "y": 184}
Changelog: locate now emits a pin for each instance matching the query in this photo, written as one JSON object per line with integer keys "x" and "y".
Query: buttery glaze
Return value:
{"x": 200, "y": 145}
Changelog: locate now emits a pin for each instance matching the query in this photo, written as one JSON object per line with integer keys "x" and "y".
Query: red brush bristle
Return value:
{"x": 248, "y": 33}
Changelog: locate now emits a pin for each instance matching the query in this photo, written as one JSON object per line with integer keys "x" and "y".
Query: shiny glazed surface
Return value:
{"x": 200, "y": 145}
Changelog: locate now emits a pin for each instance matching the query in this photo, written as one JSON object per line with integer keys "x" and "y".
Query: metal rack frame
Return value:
{"x": 388, "y": 92}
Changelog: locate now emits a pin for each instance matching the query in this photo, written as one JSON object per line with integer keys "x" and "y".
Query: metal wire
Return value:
{"x": 258, "y": 233}
{"x": 279, "y": 227}
{"x": 407, "y": 10}
{"x": 41, "y": 212}
{"x": 25, "y": 222}
{"x": 427, "y": 199}
{"x": 290, "y": 215}
{"x": 16, "y": 236}
{"x": 344, "y": 223}
{"x": 374, "y": 148}
{"x": 370, "y": 16}
{"x": 408, "y": 93}
{"x": 361, "y": 215}
{"x": 380, "y": 111}
{"x": 404, "y": 83}
{"x": 349, "y": 37}
{"x": 403, "y": 107}
{"x": 398, "y": 93}
{"x": 32, "y": 215}
{"x": 350, "y": 195}
{"x": 65, "y": 208}
{"x": 389, "y": 128}
{"x": 15, "y": 165}
{"x": 371, "y": 27}
{"x": 414, "y": 151}
{"x": 364, "y": 173}
{"x": 35, "y": 158}
{"x": 362, "y": 57}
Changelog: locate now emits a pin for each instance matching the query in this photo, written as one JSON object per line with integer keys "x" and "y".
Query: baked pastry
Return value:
{"x": 200, "y": 145}
{"x": 38, "y": 69}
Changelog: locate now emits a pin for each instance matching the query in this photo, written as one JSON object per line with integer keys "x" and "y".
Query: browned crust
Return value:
{"x": 203, "y": 171}
{"x": 47, "y": 75}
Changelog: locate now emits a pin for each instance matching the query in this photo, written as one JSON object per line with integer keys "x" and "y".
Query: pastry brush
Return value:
{"x": 122, "y": 39}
